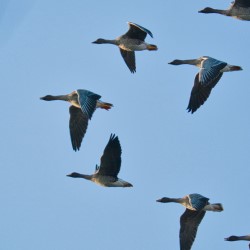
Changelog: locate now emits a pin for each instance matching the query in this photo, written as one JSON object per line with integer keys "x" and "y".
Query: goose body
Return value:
{"x": 106, "y": 174}
{"x": 211, "y": 71}
{"x": 239, "y": 9}
{"x": 196, "y": 207}
{"x": 131, "y": 41}
{"x": 83, "y": 104}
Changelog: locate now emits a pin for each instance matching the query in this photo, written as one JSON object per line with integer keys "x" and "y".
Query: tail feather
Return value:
{"x": 104, "y": 105}
{"x": 152, "y": 47}
{"x": 215, "y": 207}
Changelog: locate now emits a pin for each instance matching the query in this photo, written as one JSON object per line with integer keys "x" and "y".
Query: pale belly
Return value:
{"x": 133, "y": 47}
{"x": 108, "y": 182}
{"x": 242, "y": 17}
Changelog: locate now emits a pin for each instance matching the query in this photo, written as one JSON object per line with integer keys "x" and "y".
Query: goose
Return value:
{"x": 196, "y": 207}
{"x": 239, "y": 9}
{"x": 83, "y": 104}
{"x": 106, "y": 174}
{"x": 130, "y": 42}
{"x": 211, "y": 71}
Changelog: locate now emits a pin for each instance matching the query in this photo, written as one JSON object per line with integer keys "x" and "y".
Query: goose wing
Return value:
{"x": 111, "y": 158}
{"x": 197, "y": 201}
{"x": 137, "y": 32}
{"x": 242, "y": 3}
{"x": 87, "y": 101}
{"x": 189, "y": 223}
{"x": 200, "y": 92}
{"x": 210, "y": 70}
{"x": 129, "y": 58}
{"x": 78, "y": 124}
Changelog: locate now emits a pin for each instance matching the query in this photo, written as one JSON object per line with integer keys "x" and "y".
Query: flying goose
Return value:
{"x": 106, "y": 174}
{"x": 83, "y": 104}
{"x": 239, "y": 9}
{"x": 131, "y": 41}
{"x": 211, "y": 71}
{"x": 196, "y": 207}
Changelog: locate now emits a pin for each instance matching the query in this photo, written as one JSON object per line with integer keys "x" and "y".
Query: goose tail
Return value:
{"x": 104, "y": 105}
{"x": 216, "y": 207}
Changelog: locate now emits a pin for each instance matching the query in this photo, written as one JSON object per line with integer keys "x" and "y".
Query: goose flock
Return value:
{"x": 84, "y": 103}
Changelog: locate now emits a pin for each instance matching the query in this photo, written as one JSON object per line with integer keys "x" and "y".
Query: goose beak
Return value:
{"x": 159, "y": 200}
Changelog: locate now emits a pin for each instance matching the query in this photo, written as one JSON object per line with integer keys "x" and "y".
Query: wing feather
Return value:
{"x": 111, "y": 158}
{"x": 189, "y": 223}
{"x": 242, "y": 3}
{"x": 200, "y": 93}
{"x": 87, "y": 101}
{"x": 129, "y": 58}
{"x": 137, "y": 32}
{"x": 78, "y": 124}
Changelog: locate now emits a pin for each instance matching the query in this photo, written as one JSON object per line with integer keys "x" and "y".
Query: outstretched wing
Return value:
{"x": 200, "y": 93}
{"x": 129, "y": 58}
{"x": 198, "y": 201}
{"x": 189, "y": 222}
{"x": 78, "y": 124}
{"x": 87, "y": 101}
{"x": 111, "y": 158}
{"x": 137, "y": 32}
{"x": 210, "y": 71}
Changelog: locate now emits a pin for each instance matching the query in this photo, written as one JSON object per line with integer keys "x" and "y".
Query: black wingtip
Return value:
{"x": 191, "y": 111}
{"x": 112, "y": 137}
{"x": 76, "y": 146}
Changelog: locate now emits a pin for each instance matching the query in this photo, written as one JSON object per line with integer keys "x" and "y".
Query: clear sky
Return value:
{"x": 45, "y": 48}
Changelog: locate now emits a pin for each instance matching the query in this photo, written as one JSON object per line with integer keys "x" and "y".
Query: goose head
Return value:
{"x": 100, "y": 41}
{"x": 74, "y": 175}
{"x": 47, "y": 98}
{"x": 164, "y": 200}
{"x": 232, "y": 238}
{"x": 207, "y": 10}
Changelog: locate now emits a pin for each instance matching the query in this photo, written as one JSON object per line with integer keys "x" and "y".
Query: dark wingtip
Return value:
{"x": 190, "y": 110}
{"x": 113, "y": 137}
{"x": 76, "y": 148}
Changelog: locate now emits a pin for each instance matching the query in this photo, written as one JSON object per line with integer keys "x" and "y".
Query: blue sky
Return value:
{"x": 45, "y": 48}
